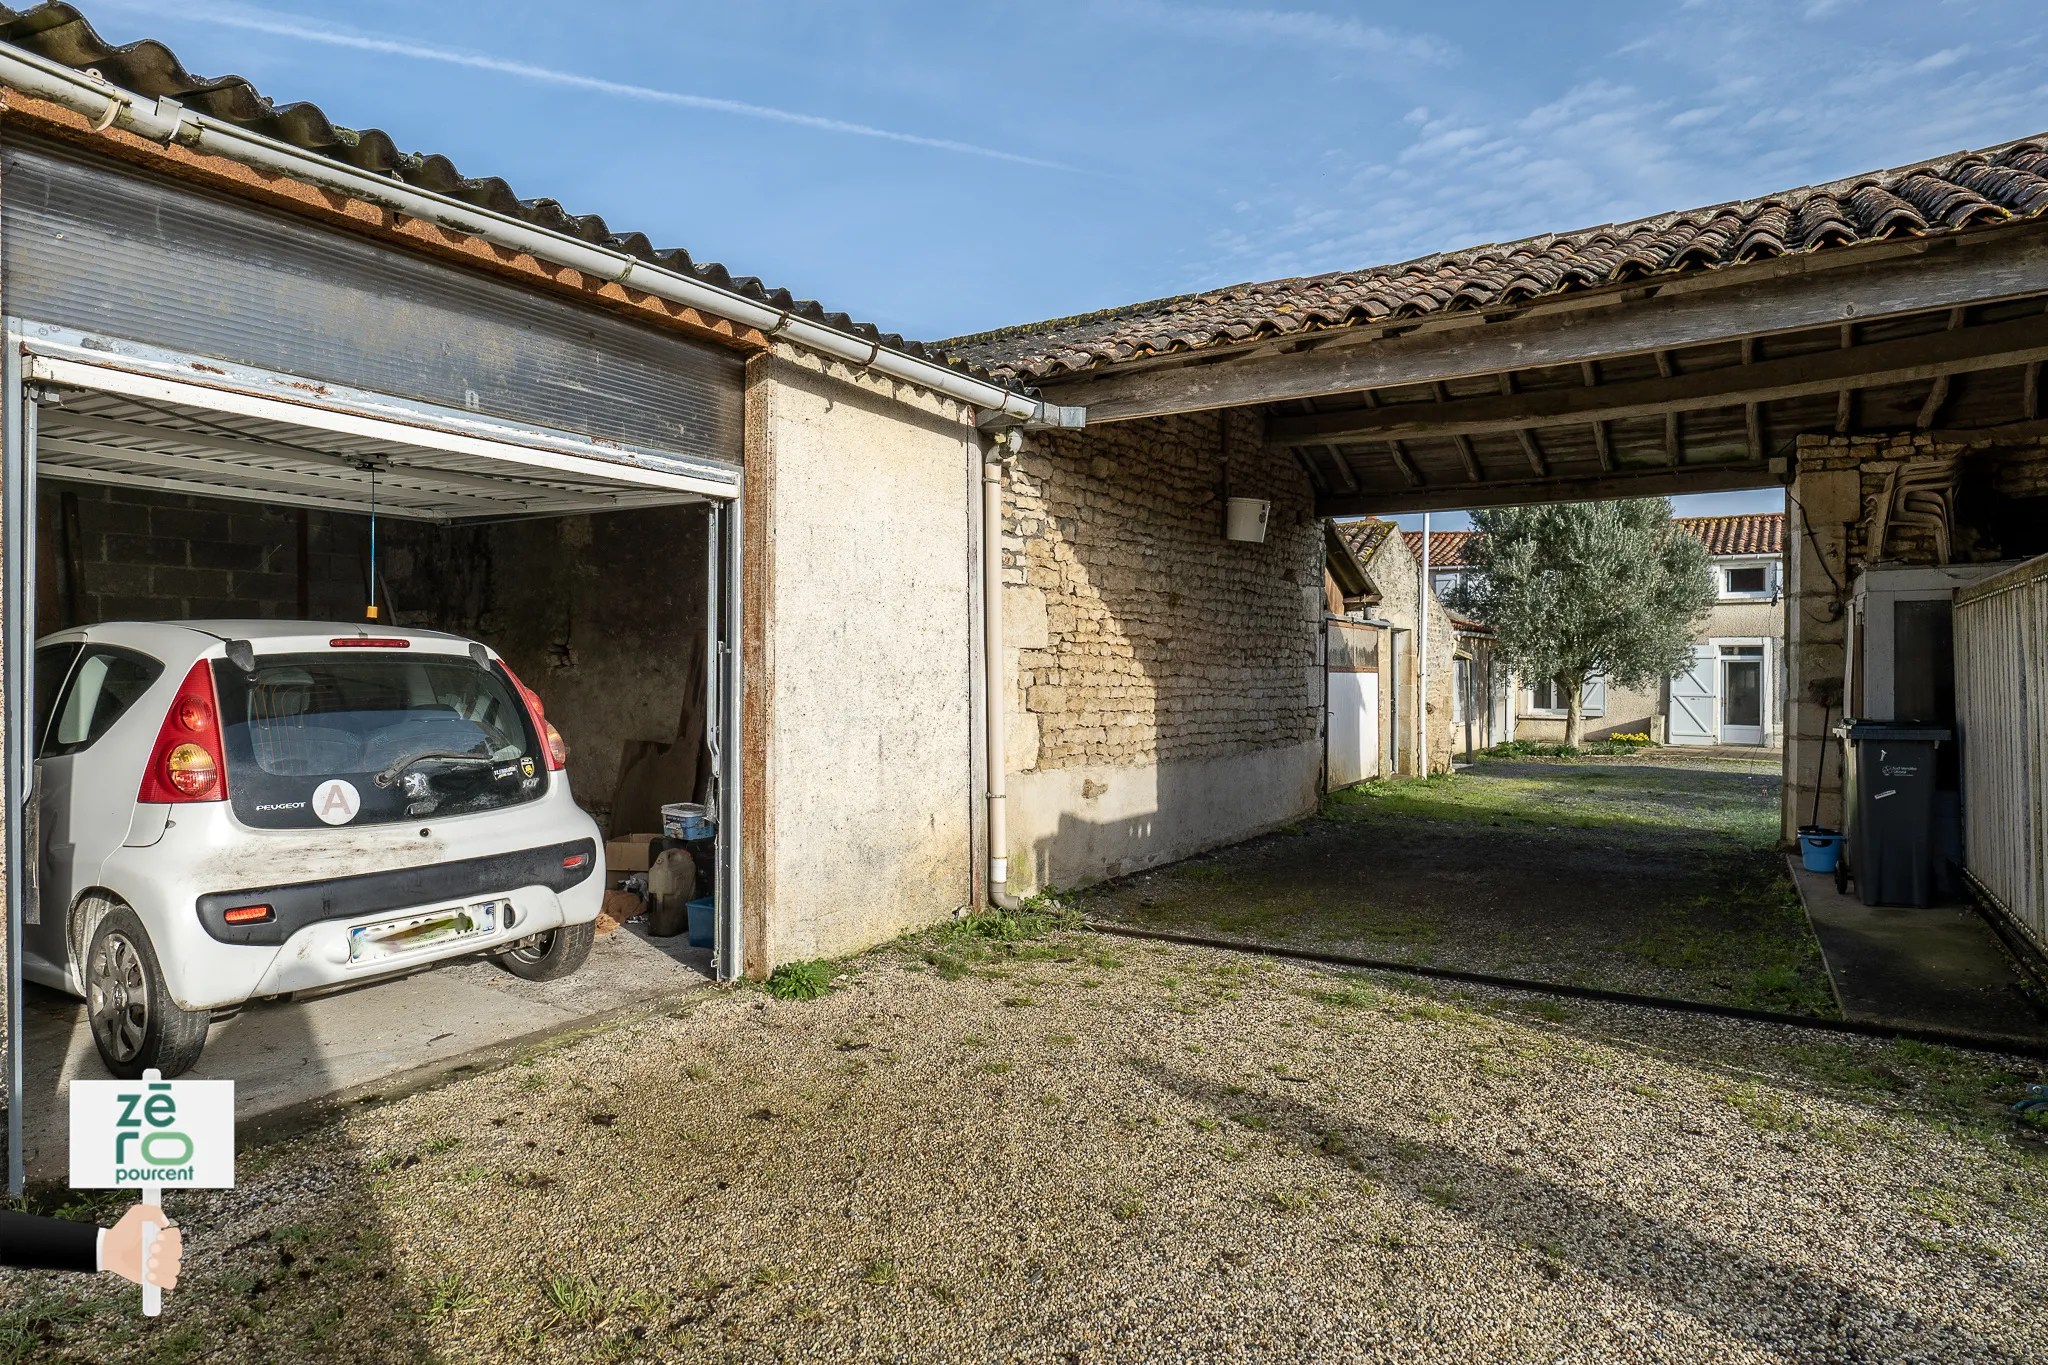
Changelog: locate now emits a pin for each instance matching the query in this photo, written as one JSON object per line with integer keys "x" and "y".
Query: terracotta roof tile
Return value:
{"x": 1757, "y": 533}
{"x": 1962, "y": 190}
{"x": 1365, "y": 537}
{"x": 1446, "y": 548}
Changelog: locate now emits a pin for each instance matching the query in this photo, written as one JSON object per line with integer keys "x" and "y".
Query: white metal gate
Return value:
{"x": 2001, "y": 644}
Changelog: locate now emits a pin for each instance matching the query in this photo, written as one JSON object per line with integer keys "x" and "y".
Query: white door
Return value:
{"x": 1354, "y": 727}
{"x": 1694, "y": 699}
{"x": 1742, "y": 694}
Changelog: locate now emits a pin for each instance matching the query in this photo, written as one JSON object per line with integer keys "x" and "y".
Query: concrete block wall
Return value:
{"x": 1166, "y": 694}
{"x": 148, "y": 555}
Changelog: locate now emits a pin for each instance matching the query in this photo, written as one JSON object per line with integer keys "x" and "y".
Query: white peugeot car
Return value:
{"x": 233, "y": 810}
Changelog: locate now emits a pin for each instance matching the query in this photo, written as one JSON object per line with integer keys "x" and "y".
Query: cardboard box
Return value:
{"x": 625, "y": 855}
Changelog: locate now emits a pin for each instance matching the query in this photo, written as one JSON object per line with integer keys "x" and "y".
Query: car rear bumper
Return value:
{"x": 320, "y": 885}
{"x": 299, "y": 905}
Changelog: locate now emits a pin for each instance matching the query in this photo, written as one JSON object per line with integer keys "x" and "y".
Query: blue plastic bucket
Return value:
{"x": 704, "y": 914}
{"x": 1819, "y": 849}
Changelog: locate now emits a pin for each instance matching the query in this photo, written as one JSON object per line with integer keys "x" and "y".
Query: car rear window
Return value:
{"x": 373, "y": 737}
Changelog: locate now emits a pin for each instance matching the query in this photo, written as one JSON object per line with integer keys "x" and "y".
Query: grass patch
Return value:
{"x": 801, "y": 980}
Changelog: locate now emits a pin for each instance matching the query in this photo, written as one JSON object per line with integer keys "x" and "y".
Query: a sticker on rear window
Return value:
{"x": 336, "y": 802}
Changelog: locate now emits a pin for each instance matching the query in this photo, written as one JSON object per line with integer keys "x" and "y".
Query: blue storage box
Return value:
{"x": 703, "y": 919}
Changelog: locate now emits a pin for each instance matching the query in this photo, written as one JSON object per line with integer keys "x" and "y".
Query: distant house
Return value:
{"x": 1448, "y": 567}
{"x": 1733, "y": 691}
{"x": 1379, "y": 610}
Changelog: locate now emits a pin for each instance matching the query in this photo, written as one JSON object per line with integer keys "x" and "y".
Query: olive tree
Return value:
{"x": 1575, "y": 590}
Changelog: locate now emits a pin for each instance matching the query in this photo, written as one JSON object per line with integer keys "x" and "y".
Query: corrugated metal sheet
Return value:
{"x": 102, "y": 248}
{"x": 2001, "y": 644}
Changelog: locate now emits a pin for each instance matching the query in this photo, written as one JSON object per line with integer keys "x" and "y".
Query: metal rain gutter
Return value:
{"x": 167, "y": 121}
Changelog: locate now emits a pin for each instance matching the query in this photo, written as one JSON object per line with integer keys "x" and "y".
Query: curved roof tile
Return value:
{"x": 1965, "y": 190}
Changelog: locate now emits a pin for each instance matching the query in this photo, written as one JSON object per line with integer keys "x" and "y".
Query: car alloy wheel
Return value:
{"x": 533, "y": 951}
{"x": 119, "y": 1000}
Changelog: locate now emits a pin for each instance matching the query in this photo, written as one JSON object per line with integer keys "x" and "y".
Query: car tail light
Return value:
{"x": 249, "y": 914}
{"x": 368, "y": 642}
{"x": 575, "y": 860}
{"x": 185, "y": 763}
{"x": 550, "y": 738}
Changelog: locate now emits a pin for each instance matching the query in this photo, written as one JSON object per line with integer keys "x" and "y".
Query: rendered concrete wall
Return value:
{"x": 1075, "y": 825}
{"x": 863, "y": 497}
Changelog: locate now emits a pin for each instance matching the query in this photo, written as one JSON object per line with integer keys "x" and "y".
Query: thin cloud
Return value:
{"x": 1304, "y": 28}
{"x": 284, "y": 27}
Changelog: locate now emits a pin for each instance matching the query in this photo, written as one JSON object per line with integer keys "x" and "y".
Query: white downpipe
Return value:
{"x": 1422, "y": 647}
{"x": 995, "y": 686}
{"x": 167, "y": 121}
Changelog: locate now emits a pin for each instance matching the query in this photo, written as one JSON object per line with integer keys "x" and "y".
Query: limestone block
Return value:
{"x": 1025, "y": 620}
{"x": 1047, "y": 699}
{"x": 1021, "y": 741}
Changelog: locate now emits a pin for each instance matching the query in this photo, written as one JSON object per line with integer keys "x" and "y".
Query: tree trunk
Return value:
{"x": 1574, "y": 711}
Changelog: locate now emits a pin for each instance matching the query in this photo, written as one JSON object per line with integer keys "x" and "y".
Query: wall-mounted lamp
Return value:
{"x": 1245, "y": 520}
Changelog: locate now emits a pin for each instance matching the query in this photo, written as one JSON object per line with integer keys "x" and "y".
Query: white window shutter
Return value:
{"x": 1594, "y": 697}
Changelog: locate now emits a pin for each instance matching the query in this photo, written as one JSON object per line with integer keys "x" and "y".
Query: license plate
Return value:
{"x": 394, "y": 937}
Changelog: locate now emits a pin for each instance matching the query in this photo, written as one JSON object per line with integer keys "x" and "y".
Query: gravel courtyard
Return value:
{"x": 1653, "y": 873}
{"x": 1078, "y": 1148}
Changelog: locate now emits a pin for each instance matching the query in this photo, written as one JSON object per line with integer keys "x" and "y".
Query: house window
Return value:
{"x": 1746, "y": 580}
{"x": 1547, "y": 698}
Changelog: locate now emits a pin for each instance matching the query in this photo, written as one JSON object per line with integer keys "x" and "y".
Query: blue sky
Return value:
{"x": 940, "y": 169}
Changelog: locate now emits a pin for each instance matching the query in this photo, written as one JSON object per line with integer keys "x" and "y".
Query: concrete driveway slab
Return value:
{"x": 292, "y": 1056}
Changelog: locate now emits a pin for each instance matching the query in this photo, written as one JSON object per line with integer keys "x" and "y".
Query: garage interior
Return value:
{"x": 598, "y": 591}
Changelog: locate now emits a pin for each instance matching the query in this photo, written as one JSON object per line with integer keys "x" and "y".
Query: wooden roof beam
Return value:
{"x": 1658, "y": 480}
{"x": 1792, "y": 296}
{"x": 1937, "y": 396}
{"x": 1910, "y": 360}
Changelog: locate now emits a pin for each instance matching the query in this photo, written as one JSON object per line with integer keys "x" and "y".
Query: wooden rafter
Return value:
{"x": 1906, "y": 361}
{"x": 1889, "y": 281}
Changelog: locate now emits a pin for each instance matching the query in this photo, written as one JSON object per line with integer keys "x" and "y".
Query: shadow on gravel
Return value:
{"x": 1785, "y": 1311}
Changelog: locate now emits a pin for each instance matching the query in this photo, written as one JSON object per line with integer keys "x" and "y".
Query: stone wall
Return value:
{"x": 1396, "y": 572}
{"x": 1166, "y": 692}
{"x": 2000, "y": 495}
{"x": 1160, "y": 638}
